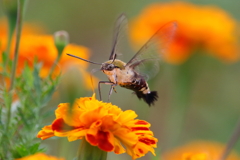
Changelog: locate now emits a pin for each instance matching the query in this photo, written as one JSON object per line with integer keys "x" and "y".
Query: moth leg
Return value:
{"x": 110, "y": 92}
{"x": 114, "y": 90}
{"x": 99, "y": 88}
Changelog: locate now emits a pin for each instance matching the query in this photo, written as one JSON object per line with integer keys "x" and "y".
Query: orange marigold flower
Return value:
{"x": 34, "y": 45}
{"x": 103, "y": 125}
{"x": 199, "y": 150}
{"x": 42, "y": 47}
{"x": 206, "y": 27}
{"x": 39, "y": 156}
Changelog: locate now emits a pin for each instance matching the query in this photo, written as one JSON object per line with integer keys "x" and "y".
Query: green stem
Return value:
{"x": 87, "y": 151}
{"x": 178, "y": 110}
{"x": 11, "y": 27}
{"x": 18, "y": 35}
{"x": 54, "y": 66}
{"x": 231, "y": 143}
{"x": 60, "y": 49}
{"x": 13, "y": 72}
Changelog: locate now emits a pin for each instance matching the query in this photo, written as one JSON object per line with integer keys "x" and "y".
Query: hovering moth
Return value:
{"x": 134, "y": 74}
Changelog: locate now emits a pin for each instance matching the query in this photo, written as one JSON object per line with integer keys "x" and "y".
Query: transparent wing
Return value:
{"x": 146, "y": 60}
{"x": 120, "y": 26}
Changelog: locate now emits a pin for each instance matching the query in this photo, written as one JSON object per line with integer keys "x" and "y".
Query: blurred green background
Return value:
{"x": 212, "y": 108}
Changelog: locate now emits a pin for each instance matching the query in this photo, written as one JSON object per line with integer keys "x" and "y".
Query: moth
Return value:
{"x": 134, "y": 74}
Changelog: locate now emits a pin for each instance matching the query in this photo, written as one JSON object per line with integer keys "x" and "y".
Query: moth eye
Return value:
{"x": 110, "y": 67}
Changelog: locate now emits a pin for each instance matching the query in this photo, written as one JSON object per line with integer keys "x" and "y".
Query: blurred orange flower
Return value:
{"x": 103, "y": 125}
{"x": 42, "y": 47}
{"x": 199, "y": 27}
{"x": 39, "y": 156}
{"x": 35, "y": 44}
{"x": 28, "y": 28}
{"x": 199, "y": 150}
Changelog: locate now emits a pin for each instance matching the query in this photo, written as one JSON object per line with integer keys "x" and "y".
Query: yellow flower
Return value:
{"x": 39, "y": 156}
{"x": 199, "y": 27}
{"x": 199, "y": 150}
{"x": 103, "y": 125}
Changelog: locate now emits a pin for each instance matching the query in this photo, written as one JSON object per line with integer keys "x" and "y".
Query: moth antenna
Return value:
{"x": 83, "y": 59}
{"x": 114, "y": 58}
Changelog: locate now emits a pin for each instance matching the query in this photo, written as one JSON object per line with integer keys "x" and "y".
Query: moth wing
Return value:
{"x": 146, "y": 60}
{"x": 120, "y": 26}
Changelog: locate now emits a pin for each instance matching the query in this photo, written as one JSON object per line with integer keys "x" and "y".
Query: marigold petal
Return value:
{"x": 46, "y": 132}
{"x": 61, "y": 129}
{"x": 60, "y": 126}
{"x": 91, "y": 116}
{"x": 91, "y": 136}
{"x": 61, "y": 110}
{"x": 148, "y": 140}
{"x": 76, "y": 134}
{"x": 103, "y": 139}
{"x": 127, "y": 137}
{"x": 109, "y": 123}
{"x": 106, "y": 141}
{"x": 141, "y": 127}
{"x": 145, "y": 144}
{"x": 96, "y": 124}
{"x": 142, "y": 122}
{"x": 118, "y": 147}
{"x": 81, "y": 102}
{"x": 126, "y": 116}
{"x": 69, "y": 115}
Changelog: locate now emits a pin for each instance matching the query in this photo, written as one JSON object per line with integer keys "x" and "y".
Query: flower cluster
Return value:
{"x": 199, "y": 27}
{"x": 103, "y": 125}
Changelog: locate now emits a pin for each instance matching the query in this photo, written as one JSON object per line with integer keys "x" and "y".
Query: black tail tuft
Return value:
{"x": 149, "y": 98}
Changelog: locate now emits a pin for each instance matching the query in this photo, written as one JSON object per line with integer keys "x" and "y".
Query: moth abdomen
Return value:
{"x": 149, "y": 98}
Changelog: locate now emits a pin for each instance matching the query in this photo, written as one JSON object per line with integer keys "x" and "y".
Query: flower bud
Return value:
{"x": 61, "y": 40}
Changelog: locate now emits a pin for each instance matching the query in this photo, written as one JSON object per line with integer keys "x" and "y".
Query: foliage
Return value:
{"x": 31, "y": 94}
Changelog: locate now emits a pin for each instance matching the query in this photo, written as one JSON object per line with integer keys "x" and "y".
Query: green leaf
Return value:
{"x": 35, "y": 148}
{"x": 37, "y": 80}
{"x": 25, "y": 150}
{"x": 4, "y": 58}
{"x": 47, "y": 95}
{"x": 27, "y": 77}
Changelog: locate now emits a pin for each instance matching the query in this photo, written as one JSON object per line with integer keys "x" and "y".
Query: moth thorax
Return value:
{"x": 118, "y": 63}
